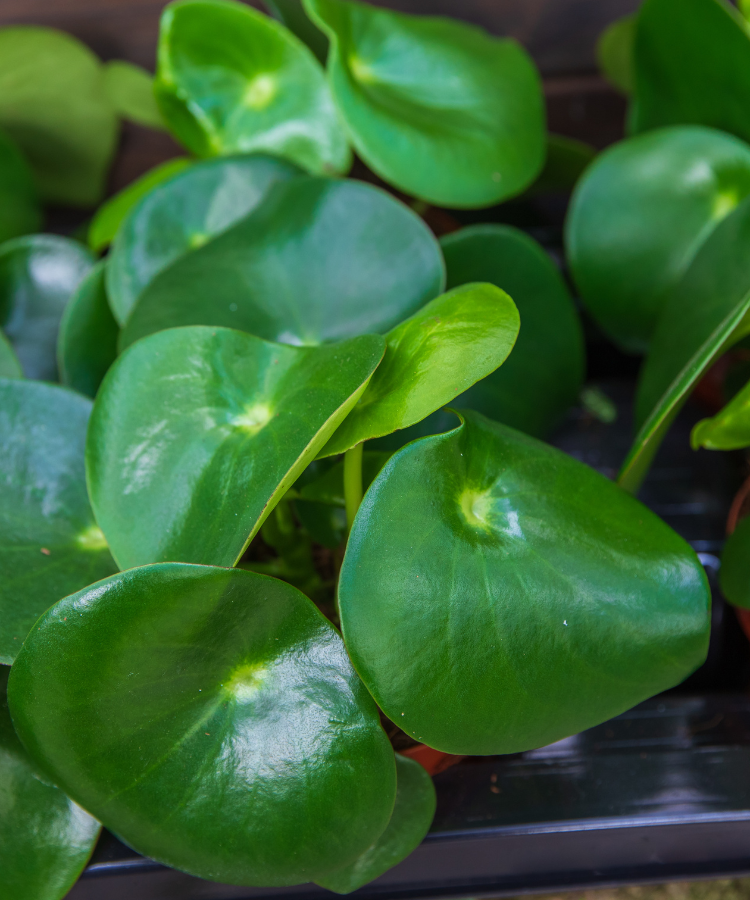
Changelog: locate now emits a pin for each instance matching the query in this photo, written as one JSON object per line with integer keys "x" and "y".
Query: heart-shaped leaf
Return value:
{"x": 451, "y": 343}
{"x": 703, "y": 315}
{"x": 87, "y": 342}
{"x": 50, "y": 545}
{"x": 410, "y": 822}
{"x": 614, "y": 53}
{"x": 45, "y": 839}
{"x": 19, "y": 204}
{"x": 38, "y": 275}
{"x": 292, "y": 14}
{"x": 319, "y": 260}
{"x": 131, "y": 92}
{"x": 729, "y": 429}
{"x": 497, "y": 595}
{"x": 198, "y": 432}
{"x": 413, "y": 91}
{"x": 231, "y": 80}
{"x": 185, "y": 213}
{"x": 219, "y": 726}
{"x": 640, "y": 215}
{"x": 10, "y": 367}
{"x": 53, "y": 104}
{"x": 734, "y": 574}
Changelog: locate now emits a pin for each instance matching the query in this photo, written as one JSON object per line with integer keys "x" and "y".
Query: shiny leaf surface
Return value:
{"x": 38, "y": 275}
{"x": 531, "y": 594}
{"x": 10, "y": 367}
{"x": 734, "y": 574}
{"x": 19, "y": 203}
{"x": 219, "y": 726}
{"x": 182, "y": 215}
{"x": 50, "y": 545}
{"x": 451, "y": 343}
{"x": 131, "y": 92}
{"x": 413, "y": 91}
{"x": 198, "y": 432}
{"x": 231, "y": 80}
{"x": 319, "y": 260}
{"x": 639, "y": 216}
{"x": 614, "y": 53}
{"x": 729, "y": 429}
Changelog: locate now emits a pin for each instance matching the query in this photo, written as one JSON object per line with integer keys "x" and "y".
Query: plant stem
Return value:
{"x": 352, "y": 482}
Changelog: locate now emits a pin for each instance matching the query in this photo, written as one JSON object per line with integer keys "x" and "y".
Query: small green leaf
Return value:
{"x": 198, "y": 432}
{"x": 566, "y": 161}
{"x": 614, "y": 53}
{"x": 640, "y": 215}
{"x": 131, "y": 92}
{"x": 410, "y": 822}
{"x": 219, "y": 727}
{"x": 413, "y": 91}
{"x": 329, "y": 487}
{"x": 231, "y": 80}
{"x": 703, "y": 315}
{"x": 318, "y": 260}
{"x": 45, "y": 839}
{"x": 734, "y": 574}
{"x": 292, "y": 14}
{"x": 729, "y": 429}
{"x": 54, "y": 106}
{"x": 38, "y": 275}
{"x": 50, "y": 544}
{"x": 19, "y": 202}
{"x": 597, "y": 404}
{"x": 533, "y": 596}
{"x": 87, "y": 342}
{"x": 10, "y": 367}
{"x": 183, "y": 214}
{"x": 451, "y": 343}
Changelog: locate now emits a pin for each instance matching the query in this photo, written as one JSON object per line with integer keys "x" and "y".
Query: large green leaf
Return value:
{"x": 87, "y": 342}
{"x": 410, "y": 822}
{"x": 45, "y": 839}
{"x": 10, "y": 367}
{"x": 729, "y": 429}
{"x": 448, "y": 345}
{"x": 50, "y": 545}
{"x": 131, "y": 92}
{"x": 703, "y": 315}
{"x": 232, "y": 80}
{"x": 614, "y": 53}
{"x": 38, "y": 275}
{"x": 436, "y": 107}
{"x": 639, "y": 216}
{"x": 692, "y": 66}
{"x": 734, "y": 574}
{"x": 292, "y": 14}
{"x": 319, "y": 260}
{"x": 54, "y": 105}
{"x": 198, "y": 432}
{"x": 183, "y": 214}
{"x": 19, "y": 204}
{"x": 219, "y": 726}
{"x": 497, "y": 595}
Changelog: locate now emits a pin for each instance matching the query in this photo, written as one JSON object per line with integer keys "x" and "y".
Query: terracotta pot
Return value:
{"x": 433, "y": 761}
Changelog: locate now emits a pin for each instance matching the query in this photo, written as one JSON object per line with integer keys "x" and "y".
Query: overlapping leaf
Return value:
{"x": 10, "y": 367}
{"x": 292, "y": 14}
{"x": 614, "y": 53}
{"x": 130, "y": 90}
{"x": 734, "y": 574}
{"x": 19, "y": 202}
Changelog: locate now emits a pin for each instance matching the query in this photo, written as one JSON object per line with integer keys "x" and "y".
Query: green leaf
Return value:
{"x": 614, "y": 53}
{"x": 45, "y": 839}
{"x": 324, "y": 523}
{"x": 54, "y": 106}
{"x": 19, "y": 203}
{"x": 532, "y": 595}
{"x": 50, "y": 544}
{"x": 329, "y": 487}
{"x": 640, "y": 215}
{"x": 451, "y": 343}
{"x": 185, "y": 213}
{"x": 744, "y": 7}
{"x": 413, "y": 91}
{"x": 734, "y": 574}
{"x": 566, "y": 161}
{"x": 292, "y": 14}
{"x": 38, "y": 275}
{"x": 702, "y": 316}
{"x": 130, "y": 90}
{"x": 110, "y": 215}
{"x": 729, "y": 429}
{"x": 220, "y": 730}
{"x": 87, "y": 342}
{"x": 692, "y": 66}
{"x": 410, "y": 822}
{"x": 231, "y": 80}
{"x": 198, "y": 432}
{"x": 318, "y": 260}
{"x": 10, "y": 367}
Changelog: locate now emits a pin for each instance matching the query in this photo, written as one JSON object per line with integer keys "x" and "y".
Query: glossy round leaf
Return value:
{"x": 198, "y": 432}
{"x": 231, "y": 80}
{"x": 734, "y": 574}
{"x": 614, "y": 53}
{"x": 38, "y": 275}
{"x": 87, "y": 342}
{"x": 639, "y": 216}
{"x": 183, "y": 214}
{"x": 10, "y": 367}
{"x": 438, "y": 108}
{"x": 497, "y": 595}
{"x": 50, "y": 545}
{"x": 729, "y": 429}
{"x": 19, "y": 203}
{"x": 45, "y": 839}
{"x": 131, "y": 92}
{"x": 53, "y": 104}
{"x": 219, "y": 727}
{"x": 410, "y": 822}
{"x": 448, "y": 345}
{"x": 318, "y": 260}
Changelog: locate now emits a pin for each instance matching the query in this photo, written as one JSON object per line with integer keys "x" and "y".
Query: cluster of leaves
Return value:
{"x": 169, "y": 549}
